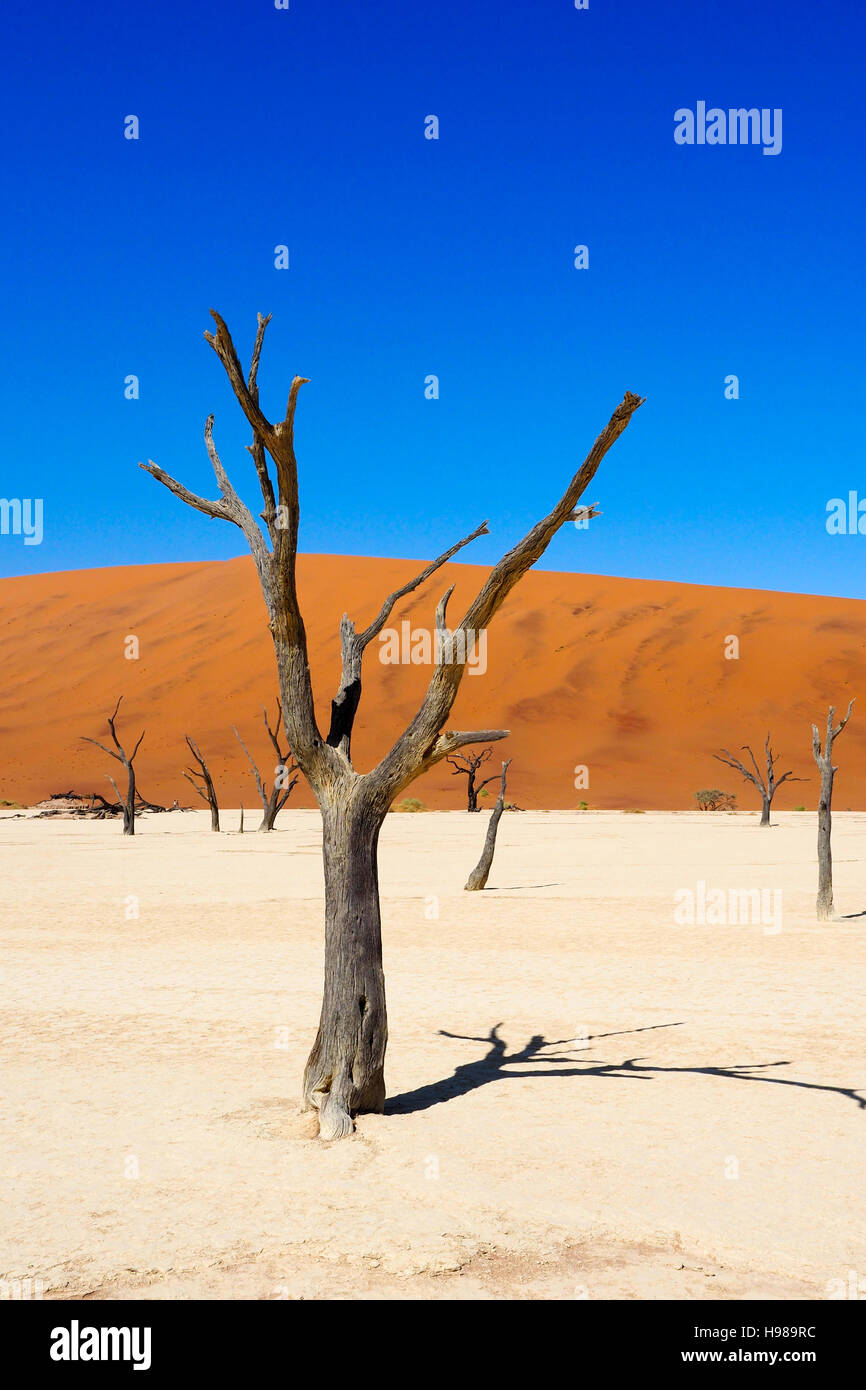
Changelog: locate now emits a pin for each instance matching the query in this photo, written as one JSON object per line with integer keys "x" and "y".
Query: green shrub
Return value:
{"x": 411, "y": 803}
{"x": 711, "y": 799}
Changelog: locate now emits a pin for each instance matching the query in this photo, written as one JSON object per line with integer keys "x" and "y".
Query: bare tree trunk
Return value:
{"x": 127, "y": 806}
{"x": 345, "y": 1071}
{"x": 478, "y": 878}
{"x": 824, "y": 761}
{"x": 765, "y": 811}
{"x": 824, "y": 903}
{"x": 241, "y": 827}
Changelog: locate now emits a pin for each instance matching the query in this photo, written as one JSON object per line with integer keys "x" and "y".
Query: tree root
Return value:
{"x": 338, "y": 1101}
{"x": 335, "y": 1122}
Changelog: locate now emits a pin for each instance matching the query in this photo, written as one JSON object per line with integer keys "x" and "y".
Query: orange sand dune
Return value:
{"x": 626, "y": 676}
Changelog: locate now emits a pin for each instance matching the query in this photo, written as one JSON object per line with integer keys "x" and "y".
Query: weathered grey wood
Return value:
{"x": 344, "y": 706}
{"x": 478, "y": 878}
{"x": 766, "y": 784}
{"x": 207, "y": 790}
{"x": 120, "y": 754}
{"x": 824, "y": 760}
{"x": 345, "y": 1071}
{"x": 345, "y": 1074}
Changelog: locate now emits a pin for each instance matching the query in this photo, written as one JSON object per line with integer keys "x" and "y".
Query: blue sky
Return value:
{"x": 412, "y": 257}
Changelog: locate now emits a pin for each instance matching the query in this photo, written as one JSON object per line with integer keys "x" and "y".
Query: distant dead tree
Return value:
{"x": 824, "y": 761}
{"x": 345, "y": 1070}
{"x": 467, "y": 765}
{"x": 478, "y": 878}
{"x": 274, "y": 800}
{"x": 120, "y": 754}
{"x": 767, "y": 783}
{"x": 206, "y": 791}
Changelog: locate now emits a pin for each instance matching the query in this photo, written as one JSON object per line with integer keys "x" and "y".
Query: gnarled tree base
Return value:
{"x": 338, "y": 1100}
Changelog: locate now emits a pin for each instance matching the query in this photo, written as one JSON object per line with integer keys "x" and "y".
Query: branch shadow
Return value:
{"x": 492, "y": 1067}
{"x": 518, "y": 887}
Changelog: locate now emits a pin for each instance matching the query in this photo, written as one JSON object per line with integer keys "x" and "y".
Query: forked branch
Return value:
{"x": 127, "y": 760}
{"x": 206, "y": 791}
{"x": 327, "y": 761}
{"x": 344, "y": 706}
{"x": 420, "y": 746}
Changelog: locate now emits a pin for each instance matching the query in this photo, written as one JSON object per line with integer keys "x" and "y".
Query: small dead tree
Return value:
{"x": 206, "y": 791}
{"x": 824, "y": 760}
{"x": 127, "y": 760}
{"x": 274, "y": 800}
{"x": 467, "y": 765}
{"x": 767, "y": 783}
{"x": 478, "y": 878}
{"x": 344, "y": 1075}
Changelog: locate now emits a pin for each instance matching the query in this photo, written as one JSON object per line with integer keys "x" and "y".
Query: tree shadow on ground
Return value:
{"x": 518, "y": 887}
{"x": 492, "y": 1067}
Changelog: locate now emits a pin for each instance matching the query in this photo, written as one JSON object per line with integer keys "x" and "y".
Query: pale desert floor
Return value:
{"x": 669, "y": 1111}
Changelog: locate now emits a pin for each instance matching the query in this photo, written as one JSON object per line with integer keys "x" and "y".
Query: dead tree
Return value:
{"x": 766, "y": 783}
{"x": 345, "y": 1071}
{"x": 274, "y": 800}
{"x": 207, "y": 790}
{"x": 824, "y": 761}
{"x": 120, "y": 754}
{"x": 468, "y": 764}
{"x": 478, "y": 878}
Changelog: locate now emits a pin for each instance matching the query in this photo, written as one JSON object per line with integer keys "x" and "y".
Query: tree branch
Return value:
{"x": 259, "y": 784}
{"x": 414, "y": 747}
{"x": 215, "y": 509}
{"x": 730, "y": 761}
{"x": 452, "y": 739}
{"x": 344, "y": 706}
{"x": 276, "y": 568}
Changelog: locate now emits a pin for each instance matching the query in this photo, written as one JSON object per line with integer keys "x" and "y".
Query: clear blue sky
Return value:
{"x": 454, "y": 257}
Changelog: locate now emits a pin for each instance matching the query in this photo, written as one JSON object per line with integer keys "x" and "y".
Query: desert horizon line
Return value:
{"x": 420, "y": 559}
